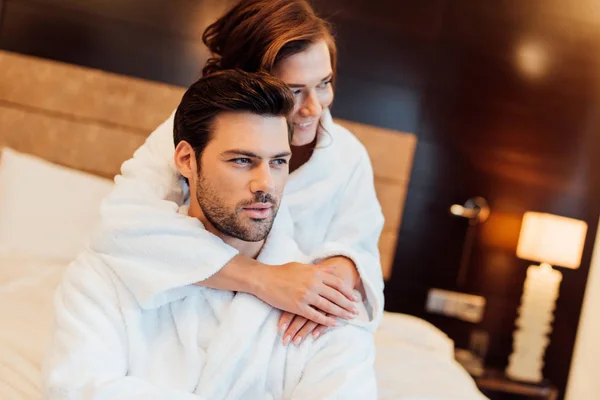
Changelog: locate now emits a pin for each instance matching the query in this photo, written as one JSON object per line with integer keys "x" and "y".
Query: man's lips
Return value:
{"x": 259, "y": 210}
{"x": 259, "y": 206}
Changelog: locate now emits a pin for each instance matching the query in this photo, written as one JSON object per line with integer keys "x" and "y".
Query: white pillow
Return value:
{"x": 45, "y": 209}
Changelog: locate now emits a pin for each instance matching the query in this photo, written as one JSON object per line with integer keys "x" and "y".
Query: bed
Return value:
{"x": 65, "y": 130}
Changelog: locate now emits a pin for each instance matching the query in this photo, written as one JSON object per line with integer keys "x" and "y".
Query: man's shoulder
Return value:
{"x": 89, "y": 272}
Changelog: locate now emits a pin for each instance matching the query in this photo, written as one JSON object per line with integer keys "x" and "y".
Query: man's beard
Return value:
{"x": 231, "y": 222}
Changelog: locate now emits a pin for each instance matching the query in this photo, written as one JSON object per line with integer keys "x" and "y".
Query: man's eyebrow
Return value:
{"x": 236, "y": 152}
{"x": 250, "y": 154}
{"x": 299, "y": 85}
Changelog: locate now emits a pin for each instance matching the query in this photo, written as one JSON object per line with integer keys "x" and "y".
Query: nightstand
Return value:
{"x": 494, "y": 384}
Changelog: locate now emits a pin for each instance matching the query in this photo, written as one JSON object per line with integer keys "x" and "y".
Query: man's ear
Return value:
{"x": 185, "y": 160}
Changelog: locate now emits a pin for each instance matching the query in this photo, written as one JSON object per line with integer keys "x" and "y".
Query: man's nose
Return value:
{"x": 262, "y": 181}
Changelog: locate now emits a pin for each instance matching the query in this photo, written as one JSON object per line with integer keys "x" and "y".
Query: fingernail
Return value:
{"x": 316, "y": 335}
{"x": 355, "y": 311}
{"x": 283, "y": 328}
{"x": 334, "y": 323}
{"x": 355, "y": 297}
{"x": 349, "y": 315}
{"x": 287, "y": 340}
{"x": 297, "y": 340}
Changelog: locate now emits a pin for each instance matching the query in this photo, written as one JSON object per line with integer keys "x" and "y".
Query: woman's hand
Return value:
{"x": 294, "y": 328}
{"x": 313, "y": 293}
{"x": 343, "y": 268}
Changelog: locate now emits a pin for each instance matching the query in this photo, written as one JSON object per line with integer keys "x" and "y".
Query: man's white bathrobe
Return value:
{"x": 331, "y": 199}
{"x": 192, "y": 342}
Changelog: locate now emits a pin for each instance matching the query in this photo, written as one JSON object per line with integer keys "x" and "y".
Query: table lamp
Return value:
{"x": 552, "y": 241}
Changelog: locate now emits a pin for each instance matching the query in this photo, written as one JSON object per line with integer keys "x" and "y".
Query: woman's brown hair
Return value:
{"x": 256, "y": 34}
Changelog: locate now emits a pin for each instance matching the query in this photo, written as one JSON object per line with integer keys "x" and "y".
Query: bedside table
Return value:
{"x": 494, "y": 384}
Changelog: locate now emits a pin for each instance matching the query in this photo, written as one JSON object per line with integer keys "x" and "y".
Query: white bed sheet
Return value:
{"x": 26, "y": 290}
{"x": 414, "y": 359}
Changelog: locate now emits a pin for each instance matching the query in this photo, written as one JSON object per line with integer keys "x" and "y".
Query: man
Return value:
{"x": 232, "y": 146}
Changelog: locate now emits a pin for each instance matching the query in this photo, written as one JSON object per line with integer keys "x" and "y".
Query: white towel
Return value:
{"x": 331, "y": 199}
{"x": 195, "y": 343}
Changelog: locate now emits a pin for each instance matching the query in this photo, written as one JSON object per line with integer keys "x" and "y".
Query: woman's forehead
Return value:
{"x": 306, "y": 68}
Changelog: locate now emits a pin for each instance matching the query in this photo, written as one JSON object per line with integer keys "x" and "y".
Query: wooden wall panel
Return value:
{"x": 94, "y": 37}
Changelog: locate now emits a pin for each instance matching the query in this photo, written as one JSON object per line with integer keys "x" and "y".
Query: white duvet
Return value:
{"x": 414, "y": 359}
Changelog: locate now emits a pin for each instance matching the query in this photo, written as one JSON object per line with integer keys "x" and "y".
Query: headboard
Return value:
{"x": 93, "y": 121}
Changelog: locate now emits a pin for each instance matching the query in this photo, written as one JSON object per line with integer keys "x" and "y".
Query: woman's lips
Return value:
{"x": 304, "y": 125}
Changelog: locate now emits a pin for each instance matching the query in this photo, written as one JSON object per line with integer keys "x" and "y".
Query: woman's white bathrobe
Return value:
{"x": 331, "y": 199}
{"x": 193, "y": 342}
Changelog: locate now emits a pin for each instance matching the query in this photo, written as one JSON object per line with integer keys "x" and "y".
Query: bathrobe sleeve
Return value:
{"x": 87, "y": 358}
{"x": 354, "y": 233}
{"x": 340, "y": 366}
{"x": 141, "y": 209}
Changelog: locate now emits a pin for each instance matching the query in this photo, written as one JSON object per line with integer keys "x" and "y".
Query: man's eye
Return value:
{"x": 242, "y": 161}
{"x": 279, "y": 162}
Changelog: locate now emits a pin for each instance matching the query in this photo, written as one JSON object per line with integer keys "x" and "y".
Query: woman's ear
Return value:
{"x": 185, "y": 160}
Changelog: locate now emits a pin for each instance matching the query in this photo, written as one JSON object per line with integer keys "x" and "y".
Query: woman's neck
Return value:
{"x": 301, "y": 154}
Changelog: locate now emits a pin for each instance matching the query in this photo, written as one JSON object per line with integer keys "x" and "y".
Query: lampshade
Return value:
{"x": 551, "y": 239}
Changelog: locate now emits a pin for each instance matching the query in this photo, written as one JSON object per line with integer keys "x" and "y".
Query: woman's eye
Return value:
{"x": 296, "y": 92}
{"x": 323, "y": 85}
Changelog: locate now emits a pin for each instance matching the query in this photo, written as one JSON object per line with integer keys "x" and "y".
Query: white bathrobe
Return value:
{"x": 192, "y": 342}
{"x": 331, "y": 199}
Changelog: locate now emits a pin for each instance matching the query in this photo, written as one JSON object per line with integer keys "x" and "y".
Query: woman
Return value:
{"x": 329, "y": 193}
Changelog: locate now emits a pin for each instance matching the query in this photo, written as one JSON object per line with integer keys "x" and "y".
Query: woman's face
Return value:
{"x": 308, "y": 74}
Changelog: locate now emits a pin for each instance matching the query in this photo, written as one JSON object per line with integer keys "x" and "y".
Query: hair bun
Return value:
{"x": 213, "y": 64}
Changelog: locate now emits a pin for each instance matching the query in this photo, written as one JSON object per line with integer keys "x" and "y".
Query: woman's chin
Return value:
{"x": 303, "y": 137}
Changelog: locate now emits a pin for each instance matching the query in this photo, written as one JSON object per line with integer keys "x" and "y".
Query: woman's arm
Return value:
{"x": 298, "y": 288}
{"x": 354, "y": 235}
{"x": 350, "y": 252}
{"x": 141, "y": 230}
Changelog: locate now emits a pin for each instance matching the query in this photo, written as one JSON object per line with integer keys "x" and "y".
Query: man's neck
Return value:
{"x": 248, "y": 249}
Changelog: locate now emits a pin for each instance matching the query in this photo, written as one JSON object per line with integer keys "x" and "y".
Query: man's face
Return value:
{"x": 239, "y": 182}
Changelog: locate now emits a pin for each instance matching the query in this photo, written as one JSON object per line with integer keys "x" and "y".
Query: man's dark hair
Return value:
{"x": 228, "y": 91}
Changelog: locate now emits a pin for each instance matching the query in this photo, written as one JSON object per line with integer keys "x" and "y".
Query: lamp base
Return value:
{"x": 534, "y": 323}
{"x": 518, "y": 370}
